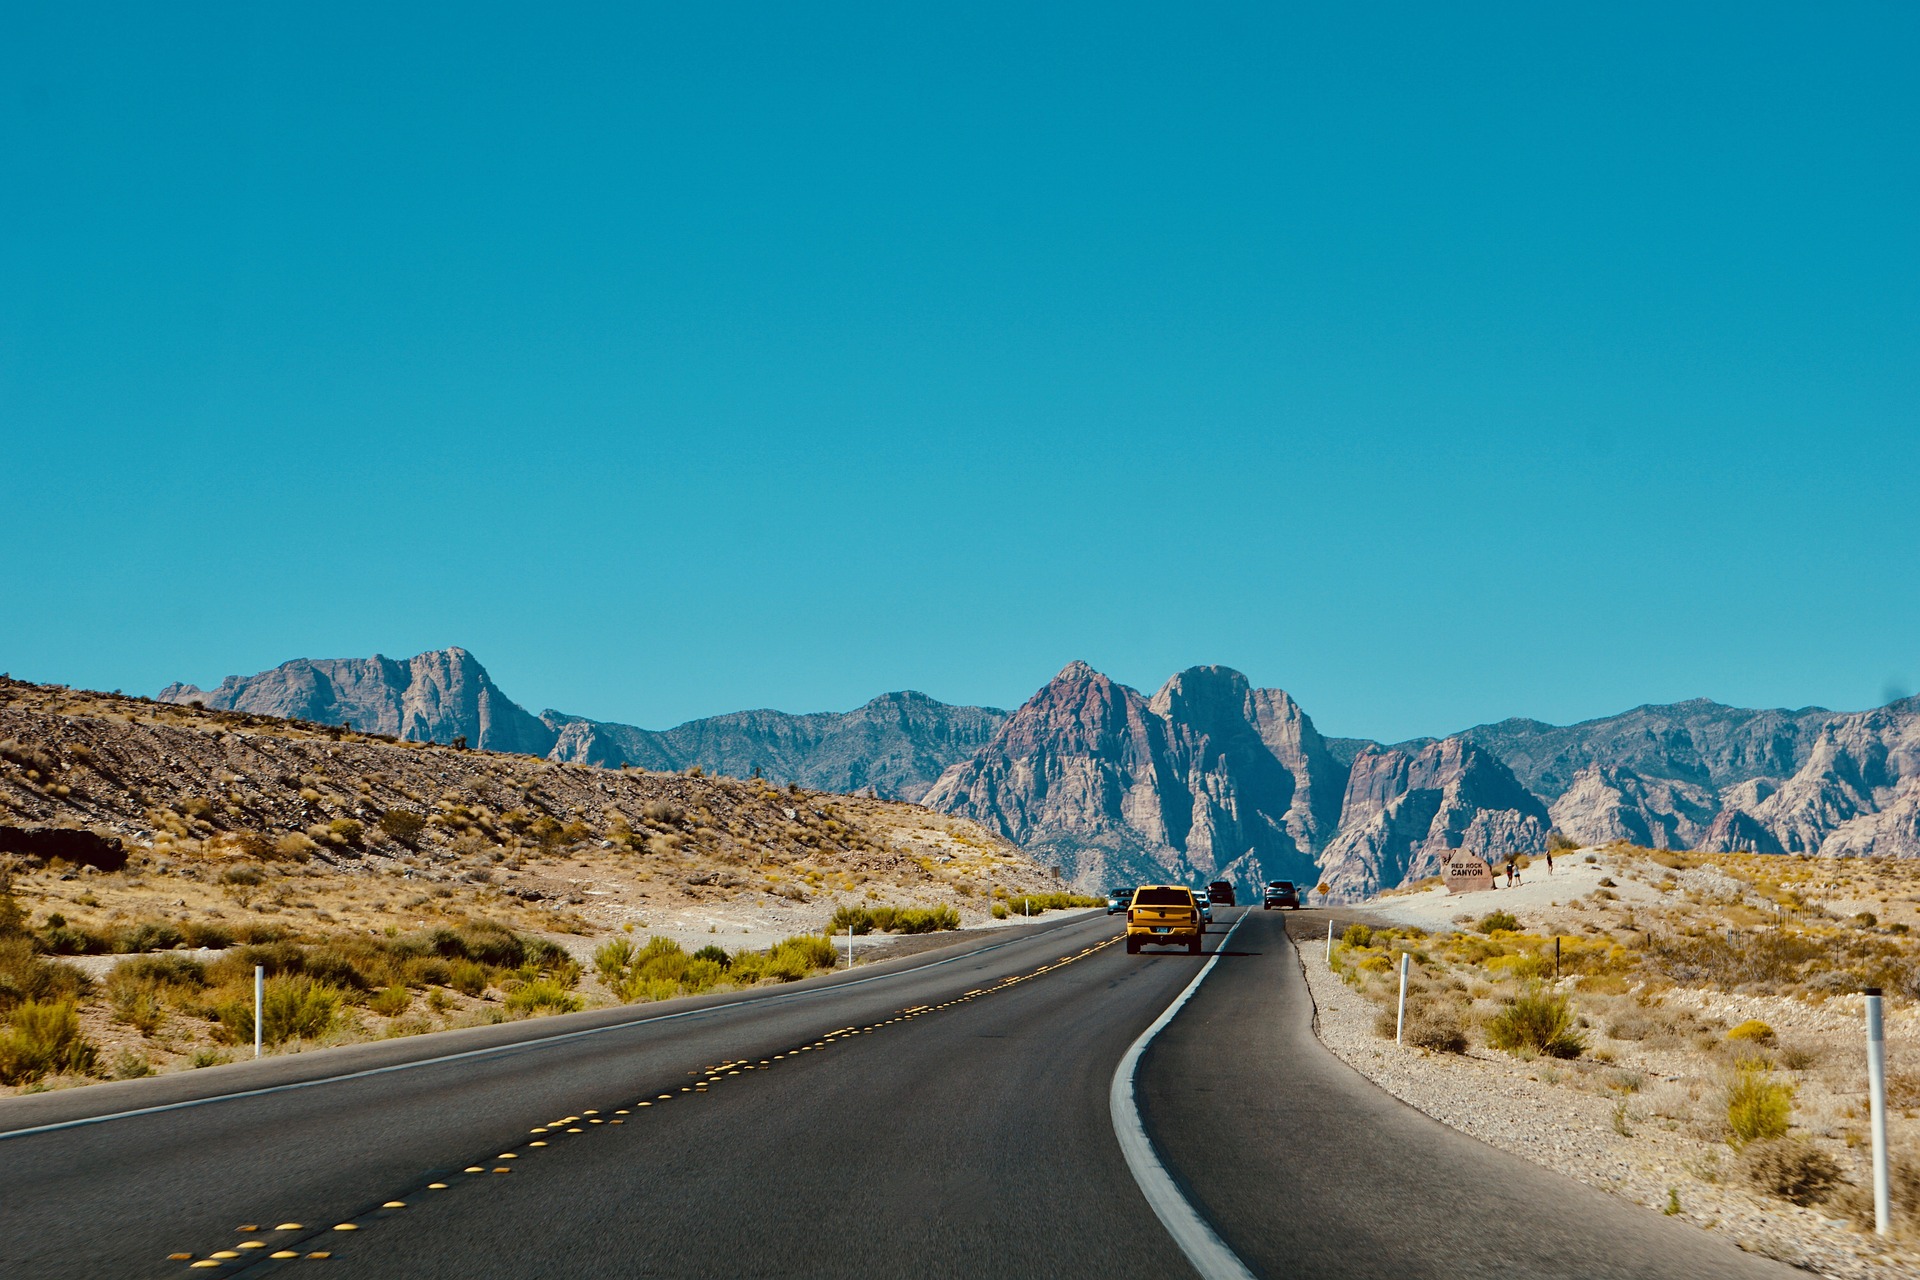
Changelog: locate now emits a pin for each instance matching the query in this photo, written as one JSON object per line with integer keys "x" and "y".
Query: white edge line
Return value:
{"x": 1204, "y": 1248}
{"x": 537, "y": 1042}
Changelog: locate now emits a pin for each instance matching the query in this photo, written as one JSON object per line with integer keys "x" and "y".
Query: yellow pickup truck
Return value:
{"x": 1164, "y": 914}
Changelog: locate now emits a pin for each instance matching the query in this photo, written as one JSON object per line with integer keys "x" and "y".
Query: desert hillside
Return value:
{"x": 393, "y": 886}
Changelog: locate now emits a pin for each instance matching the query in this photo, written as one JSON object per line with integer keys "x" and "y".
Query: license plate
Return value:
{"x": 1162, "y": 929}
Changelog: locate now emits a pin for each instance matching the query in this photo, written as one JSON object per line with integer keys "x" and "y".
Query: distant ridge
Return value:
{"x": 1212, "y": 777}
{"x": 894, "y": 746}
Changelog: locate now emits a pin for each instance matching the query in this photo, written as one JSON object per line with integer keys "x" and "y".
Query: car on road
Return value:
{"x": 1206, "y": 908}
{"x": 1221, "y": 891}
{"x": 1119, "y": 900}
{"x": 1281, "y": 893}
{"x": 1164, "y": 915}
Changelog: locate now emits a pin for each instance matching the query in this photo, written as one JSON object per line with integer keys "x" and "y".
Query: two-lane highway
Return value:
{"x": 945, "y": 1115}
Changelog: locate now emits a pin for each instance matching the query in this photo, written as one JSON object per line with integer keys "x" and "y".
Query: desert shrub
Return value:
{"x": 140, "y": 989}
{"x": 1758, "y": 1105}
{"x": 748, "y": 967}
{"x": 390, "y": 1002}
{"x": 541, "y": 996}
{"x": 43, "y": 1037}
{"x": 1522, "y": 964}
{"x": 1790, "y": 1168}
{"x": 716, "y": 954}
{"x": 294, "y": 1007}
{"x": 1752, "y": 1031}
{"x": 787, "y": 966}
{"x": 65, "y": 940}
{"x": 1035, "y": 903}
{"x": 999, "y": 910}
{"x": 813, "y": 949}
{"x": 1498, "y": 922}
{"x": 1536, "y": 1021}
{"x": 137, "y": 1004}
{"x": 147, "y": 935}
{"x": 611, "y": 960}
{"x": 1357, "y": 935}
{"x": 468, "y": 977}
{"x": 702, "y": 975}
{"x": 27, "y": 977}
{"x": 294, "y": 847}
{"x": 402, "y": 825}
{"x": 932, "y": 919}
{"x": 130, "y": 1064}
{"x": 1436, "y": 1026}
{"x": 856, "y": 920}
{"x": 242, "y": 874}
{"x": 346, "y": 829}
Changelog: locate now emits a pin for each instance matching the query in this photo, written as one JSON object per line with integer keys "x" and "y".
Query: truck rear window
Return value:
{"x": 1163, "y": 898}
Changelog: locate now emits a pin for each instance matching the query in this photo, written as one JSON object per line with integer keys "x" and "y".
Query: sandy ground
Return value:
{"x": 1573, "y": 876}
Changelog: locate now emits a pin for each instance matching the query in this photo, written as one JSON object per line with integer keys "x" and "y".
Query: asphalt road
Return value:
{"x": 957, "y": 1125}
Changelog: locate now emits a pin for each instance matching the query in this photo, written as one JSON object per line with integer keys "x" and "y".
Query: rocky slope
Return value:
{"x": 1699, "y": 742}
{"x": 895, "y": 745}
{"x": 1210, "y": 778}
{"x": 1403, "y": 812}
{"x": 1857, "y": 792}
{"x": 433, "y": 697}
{"x": 350, "y": 829}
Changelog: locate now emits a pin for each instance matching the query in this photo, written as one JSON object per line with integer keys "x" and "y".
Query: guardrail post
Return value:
{"x": 1877, "y": 1089}
{"x": 1400, "y": 1024}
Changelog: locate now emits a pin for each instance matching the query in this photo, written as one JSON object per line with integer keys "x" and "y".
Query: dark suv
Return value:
{"x": 1220, "y": 892}
{"x": 1281, "y": 893}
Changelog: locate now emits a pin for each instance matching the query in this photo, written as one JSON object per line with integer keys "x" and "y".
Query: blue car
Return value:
{"x": 1119, "y": 900}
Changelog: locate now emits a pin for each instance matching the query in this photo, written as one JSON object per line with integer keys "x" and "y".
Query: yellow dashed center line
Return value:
{"x": 712, "y": 1074}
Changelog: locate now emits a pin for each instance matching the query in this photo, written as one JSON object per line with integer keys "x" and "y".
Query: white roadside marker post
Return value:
{"x": 1329, "y": 944}
{"x": 849, "y": 946}
{"x": 259, "y": 1003}
{"x": 1877, "y": 1089}
{"x": 1400, "y": 1023}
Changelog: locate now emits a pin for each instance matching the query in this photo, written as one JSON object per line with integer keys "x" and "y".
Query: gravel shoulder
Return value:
{"x": 1535, "y": 1110}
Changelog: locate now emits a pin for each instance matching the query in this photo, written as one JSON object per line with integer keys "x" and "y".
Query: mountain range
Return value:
{"x": 1210, "y": 777}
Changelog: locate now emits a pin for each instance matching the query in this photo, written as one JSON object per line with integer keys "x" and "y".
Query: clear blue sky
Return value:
{"x": 1437, "y": 366}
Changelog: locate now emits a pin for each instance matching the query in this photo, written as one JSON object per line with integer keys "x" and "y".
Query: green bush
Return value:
{"x": 716, "y": 954}
{"x": 43, "y": 1037}
{"x": 611, "y": 960}
{"x": 468, "y": 977}
{"x": 1499, "y": 921}
{"x": 1536, "y": 1021}
{"x": 295, "y": 1008}
{"x": 390, "y": 1002}
{"x": 1759, "y": 1105}
{"x": 26, "y": 976}
{"x": 543, "y": 995}
{"x": 702, "y": 975}
{"x": 1357, "y": 935}
{"x": 812, "y": 949}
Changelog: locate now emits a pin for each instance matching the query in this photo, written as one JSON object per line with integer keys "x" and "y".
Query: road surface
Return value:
{"x": 946, "y": 1114}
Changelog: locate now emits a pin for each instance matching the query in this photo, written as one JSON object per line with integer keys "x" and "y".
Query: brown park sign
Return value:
{"x": 1466, "y": 873}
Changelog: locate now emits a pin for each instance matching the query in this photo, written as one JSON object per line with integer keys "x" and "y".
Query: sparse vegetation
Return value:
{"x": 1758, "y": 1104}
{"x": 1536, "y": 1021}
{"x": 1790, "y": 1168}
{"x": 42, "y": 1037}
